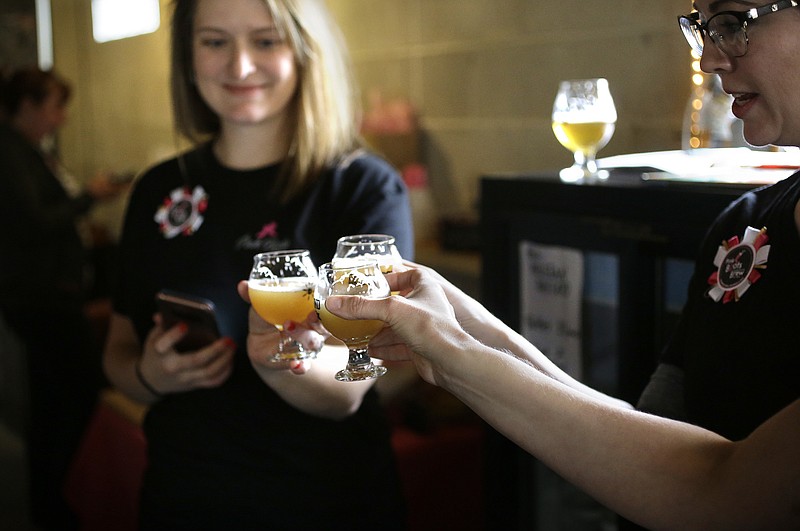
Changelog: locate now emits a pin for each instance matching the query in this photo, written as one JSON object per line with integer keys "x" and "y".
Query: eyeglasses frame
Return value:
{"x": 693, "y": 24}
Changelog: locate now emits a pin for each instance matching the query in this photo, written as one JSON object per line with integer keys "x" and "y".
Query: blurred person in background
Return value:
{"x": 44, "y": 279}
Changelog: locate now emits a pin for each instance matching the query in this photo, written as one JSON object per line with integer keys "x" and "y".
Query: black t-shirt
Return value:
{"x": 736, "y": 340}
{"x": 238, "y": 456}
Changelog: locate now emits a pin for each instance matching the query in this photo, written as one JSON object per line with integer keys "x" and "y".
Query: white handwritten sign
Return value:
{"x": 551, "y": 292}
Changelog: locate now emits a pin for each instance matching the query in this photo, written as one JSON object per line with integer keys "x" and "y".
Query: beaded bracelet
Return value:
{"x": 144, "y": 382}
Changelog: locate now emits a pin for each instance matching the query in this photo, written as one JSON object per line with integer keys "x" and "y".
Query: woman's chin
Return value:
{"x": 759, "y": 138}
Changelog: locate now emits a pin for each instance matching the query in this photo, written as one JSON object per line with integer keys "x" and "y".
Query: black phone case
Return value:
{"x": 196, "y": 312}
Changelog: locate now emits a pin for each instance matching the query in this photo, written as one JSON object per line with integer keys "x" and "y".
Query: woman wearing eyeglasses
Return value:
{"x": 735, "y": 358}
{"x": 733, "y": 362}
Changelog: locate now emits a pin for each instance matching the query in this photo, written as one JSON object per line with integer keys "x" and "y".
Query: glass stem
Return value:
{"x": 587, "y": 162}
{"x": 283, "y": 342}
{"x": 359, "y": 359}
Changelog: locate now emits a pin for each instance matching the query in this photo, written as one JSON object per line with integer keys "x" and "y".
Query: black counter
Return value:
{"x": 644, "y": 224}
{"x": 641, "y": 222}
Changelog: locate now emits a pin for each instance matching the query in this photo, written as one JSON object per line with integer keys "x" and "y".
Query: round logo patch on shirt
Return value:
{"x": 182, "y": 211}
{"x": 738, "y": 265}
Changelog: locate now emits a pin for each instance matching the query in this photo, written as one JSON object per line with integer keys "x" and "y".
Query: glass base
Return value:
{"x": 584, "y": 171}
{"x": 290, "y": 356}
{"x": 290, "y": 350}
{"x": 581, "y": 175}
{"x": 360, "y": 373}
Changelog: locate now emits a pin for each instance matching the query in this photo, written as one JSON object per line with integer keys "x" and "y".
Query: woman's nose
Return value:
{"x": 714, "y": 60}
{"x": 242, "y": 64}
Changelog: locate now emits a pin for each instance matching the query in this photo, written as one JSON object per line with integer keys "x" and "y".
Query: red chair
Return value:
{"x": 103, "y": 484}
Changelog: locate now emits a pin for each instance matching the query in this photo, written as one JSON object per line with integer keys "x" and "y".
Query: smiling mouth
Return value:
{"x": 242, "y": 88}
{"x": 742, "y": 98}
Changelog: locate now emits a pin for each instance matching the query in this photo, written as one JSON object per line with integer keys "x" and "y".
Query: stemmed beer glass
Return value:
{"x": 350, "y": 277}
{"x": 378, "y": 246}
{"x": 584, "y": 117}
{"x": 281, "y": 288}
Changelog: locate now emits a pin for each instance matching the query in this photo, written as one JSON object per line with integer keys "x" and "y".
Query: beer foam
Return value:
{"x": 280, "y": 284}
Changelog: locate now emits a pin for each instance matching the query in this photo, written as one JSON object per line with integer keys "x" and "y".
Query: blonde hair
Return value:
{"x": 325, "y": 107}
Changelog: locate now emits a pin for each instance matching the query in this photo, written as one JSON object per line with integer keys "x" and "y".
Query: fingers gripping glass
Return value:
{"x": 349, "y": 277}
{"x": 728, "y": 29}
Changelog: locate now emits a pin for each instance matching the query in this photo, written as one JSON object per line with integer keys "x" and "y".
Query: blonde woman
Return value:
{"x": 263, "y": 88}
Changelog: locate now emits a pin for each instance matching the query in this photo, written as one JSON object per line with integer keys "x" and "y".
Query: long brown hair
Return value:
{"x": 325, "y": 108}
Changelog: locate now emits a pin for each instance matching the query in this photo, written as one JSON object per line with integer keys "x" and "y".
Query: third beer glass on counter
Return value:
{"x": 584, "y": 118}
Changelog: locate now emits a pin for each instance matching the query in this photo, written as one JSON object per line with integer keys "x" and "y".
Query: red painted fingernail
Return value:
{"x": 290, "y": 326}
{"x": 230, "y": 343}
{"x": 183, "y": 327}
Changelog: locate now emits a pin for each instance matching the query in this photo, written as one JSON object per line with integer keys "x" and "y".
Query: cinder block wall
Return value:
{"x": 483, "y": 74}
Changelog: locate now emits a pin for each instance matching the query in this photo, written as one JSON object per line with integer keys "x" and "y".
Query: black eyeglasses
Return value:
{"x": 728, "y": 30}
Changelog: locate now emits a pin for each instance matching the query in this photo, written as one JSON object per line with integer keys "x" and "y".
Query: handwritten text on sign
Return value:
{"x": 551, "y": 291}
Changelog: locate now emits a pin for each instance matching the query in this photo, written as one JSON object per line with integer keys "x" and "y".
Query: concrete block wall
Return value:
{"x": 483, "y": 74}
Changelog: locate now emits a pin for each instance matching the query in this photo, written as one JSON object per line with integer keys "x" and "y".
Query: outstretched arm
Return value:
{"x": 658, "y": 472}
{"x": 642, "y": 466}
{"x": 481, "y": 324}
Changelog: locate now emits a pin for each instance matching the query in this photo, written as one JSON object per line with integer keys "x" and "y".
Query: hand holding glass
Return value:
{"x": 347, "y": 277}
{"x": 584, "y": 118}
{"x": 281, "y": 288}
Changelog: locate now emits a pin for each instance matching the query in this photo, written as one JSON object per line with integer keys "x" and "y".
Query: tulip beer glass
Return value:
{"x": 281, "y": 288}
{"x": 350, "y": 277}
{"x": 584, "y": 118}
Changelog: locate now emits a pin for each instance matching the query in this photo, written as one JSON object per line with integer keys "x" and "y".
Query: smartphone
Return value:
{"x": 198, "y": 313}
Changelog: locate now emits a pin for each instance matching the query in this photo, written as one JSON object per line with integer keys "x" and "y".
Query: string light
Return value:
{"x": 696, "y": 102}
